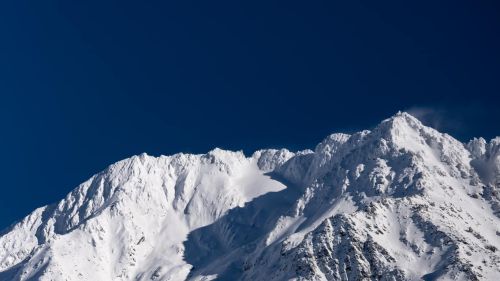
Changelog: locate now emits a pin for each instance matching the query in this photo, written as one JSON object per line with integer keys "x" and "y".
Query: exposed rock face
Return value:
{"x": 400, "y": 202}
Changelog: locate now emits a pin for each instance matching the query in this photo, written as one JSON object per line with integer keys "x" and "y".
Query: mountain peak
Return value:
{"x": 400, "y": 122}
{"x": 404, "y": 114}
{"x": 405, "y": 131}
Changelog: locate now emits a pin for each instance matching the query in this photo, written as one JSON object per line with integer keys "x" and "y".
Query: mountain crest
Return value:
{"x": 400, "y": 202}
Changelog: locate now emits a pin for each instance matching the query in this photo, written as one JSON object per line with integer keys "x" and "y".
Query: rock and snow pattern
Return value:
{"x": 400, "y": 202}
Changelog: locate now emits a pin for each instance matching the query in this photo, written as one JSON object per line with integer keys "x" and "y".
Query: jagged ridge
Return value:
{"x": 400, "y": 202}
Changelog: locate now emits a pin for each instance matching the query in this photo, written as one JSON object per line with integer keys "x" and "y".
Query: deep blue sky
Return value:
{"x": 86, "y": 83}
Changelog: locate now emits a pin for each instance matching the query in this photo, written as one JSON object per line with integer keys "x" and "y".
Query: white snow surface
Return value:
{"x": 400, "y": 202}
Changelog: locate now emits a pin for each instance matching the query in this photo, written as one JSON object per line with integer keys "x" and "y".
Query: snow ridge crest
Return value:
{"x": 401, "y": 202}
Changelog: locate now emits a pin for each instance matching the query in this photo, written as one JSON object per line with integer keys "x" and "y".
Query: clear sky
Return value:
{"x": 86, "y": 83}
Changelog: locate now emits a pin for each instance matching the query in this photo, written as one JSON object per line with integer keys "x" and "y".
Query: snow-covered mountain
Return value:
{"x": 400, "y": 202}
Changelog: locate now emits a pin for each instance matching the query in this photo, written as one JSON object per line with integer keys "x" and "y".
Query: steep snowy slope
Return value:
{"x": 131, "y": 219}
{"x": 400, "y": 202}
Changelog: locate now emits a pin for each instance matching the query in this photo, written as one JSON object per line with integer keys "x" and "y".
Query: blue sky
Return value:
{"x": 86, "y": 83}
